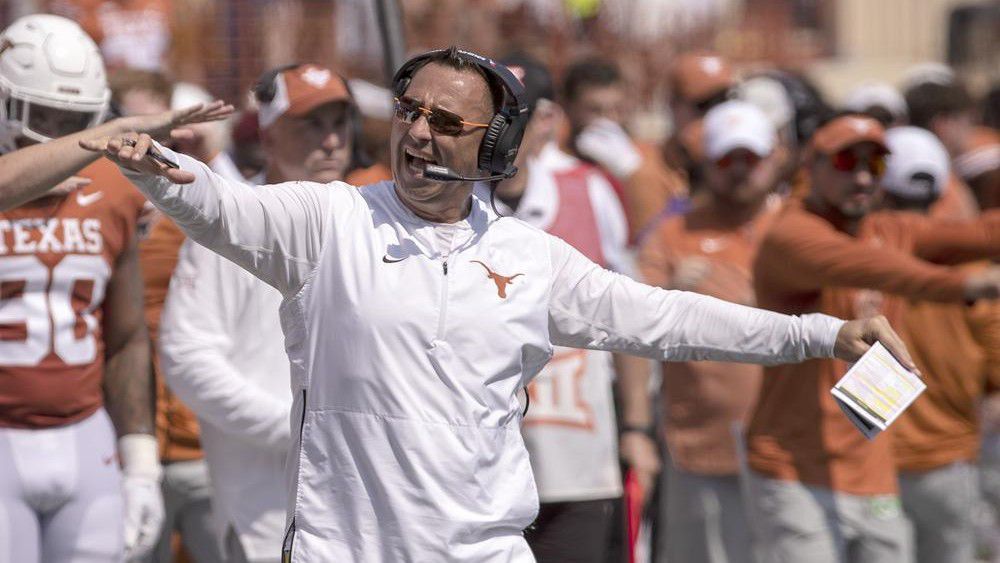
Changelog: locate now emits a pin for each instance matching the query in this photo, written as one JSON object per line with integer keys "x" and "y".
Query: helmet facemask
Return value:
{"x": 52, "y": 81}
{"x": 40, "y": 123}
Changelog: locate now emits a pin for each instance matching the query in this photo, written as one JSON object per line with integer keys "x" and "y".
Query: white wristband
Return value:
{"x": 140, "y": 456}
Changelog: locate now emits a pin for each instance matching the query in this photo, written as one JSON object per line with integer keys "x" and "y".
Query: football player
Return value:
{"x": 74, "y": 350}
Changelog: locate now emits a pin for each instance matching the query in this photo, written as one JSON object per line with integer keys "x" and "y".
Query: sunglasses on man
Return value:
{"x": 847, "y": 161}
{"x": 442, "y": 122}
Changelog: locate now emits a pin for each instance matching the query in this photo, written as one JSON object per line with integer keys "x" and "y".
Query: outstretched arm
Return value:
{"x": 275, "y": 232}
{"x": 951, "y": 242}
{"x": 28, "y": 173}
{"x": 807, "y": 255}
{"x": 593, "y": 308}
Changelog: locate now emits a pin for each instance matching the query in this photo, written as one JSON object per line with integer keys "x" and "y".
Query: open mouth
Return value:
{"x": 418, "y": 162}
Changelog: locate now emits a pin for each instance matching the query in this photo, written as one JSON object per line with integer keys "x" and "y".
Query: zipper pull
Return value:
{"x": 444, "y": 266}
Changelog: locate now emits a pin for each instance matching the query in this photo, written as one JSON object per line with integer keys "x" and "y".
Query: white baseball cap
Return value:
{"x": 914, "y": 151}
{"x": 770, "y": 97}
{"x": 929, "y": 72}
{"x": 871, "y": 94}
{"x": 737, "y": 125}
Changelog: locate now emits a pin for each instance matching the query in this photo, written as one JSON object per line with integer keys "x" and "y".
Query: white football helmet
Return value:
{"x": 52, "y": 80}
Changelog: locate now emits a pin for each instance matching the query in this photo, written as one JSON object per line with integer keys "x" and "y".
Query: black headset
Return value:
{"x": 266, "y": 89}
{"x": 503, "y": 136}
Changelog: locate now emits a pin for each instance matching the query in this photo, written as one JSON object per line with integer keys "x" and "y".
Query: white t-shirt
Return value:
{"x": 223, "y": 354}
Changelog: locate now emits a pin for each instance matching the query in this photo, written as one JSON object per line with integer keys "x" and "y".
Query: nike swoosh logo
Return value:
{"x": 388, "y": 260}
{"x": 83, "y": 200}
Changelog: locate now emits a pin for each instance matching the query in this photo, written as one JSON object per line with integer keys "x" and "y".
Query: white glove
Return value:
{"x": 607, "y": 144}
{"x": 141, "y": 491}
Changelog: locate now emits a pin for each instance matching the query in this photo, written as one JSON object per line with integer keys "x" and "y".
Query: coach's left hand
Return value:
{"x": 857, "y": 336}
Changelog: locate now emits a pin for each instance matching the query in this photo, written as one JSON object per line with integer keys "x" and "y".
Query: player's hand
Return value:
{"x": 984, "y": 284}
{"x": 606, "y": 143}
{"x": 143, "y": 501}
{"x": 640, "y": 454}
{"x": 857, "y": 336}
{"x": 143, "y": 515}
{"x": 173, "y": 123}
{"x": 130, "y": 151}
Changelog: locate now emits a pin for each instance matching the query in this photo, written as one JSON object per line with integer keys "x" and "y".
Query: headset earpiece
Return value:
{"x": 266, "y": 87}
{"x": 491, "y": 140}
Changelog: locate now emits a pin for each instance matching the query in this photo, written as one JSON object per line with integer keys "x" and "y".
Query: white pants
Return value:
{"x": 60, "y": 494}
{"x": 803, "y": 523}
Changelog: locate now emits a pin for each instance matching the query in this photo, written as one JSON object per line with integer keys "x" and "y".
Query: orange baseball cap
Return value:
{"x": 699, "y": 76}
{"x": 848, "y": 130}
{"x": 301, "y": 89}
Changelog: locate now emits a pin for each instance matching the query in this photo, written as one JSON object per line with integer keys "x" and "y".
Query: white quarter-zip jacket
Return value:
{"x": 409, "y": 341}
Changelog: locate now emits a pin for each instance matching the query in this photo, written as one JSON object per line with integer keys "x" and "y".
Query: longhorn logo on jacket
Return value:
{"x": 501, "y": 281}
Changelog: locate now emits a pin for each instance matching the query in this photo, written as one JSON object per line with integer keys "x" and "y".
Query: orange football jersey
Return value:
{"x": 57, "y": 257}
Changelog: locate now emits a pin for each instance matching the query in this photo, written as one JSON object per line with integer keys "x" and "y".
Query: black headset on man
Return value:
{"x": 498, "y": 148}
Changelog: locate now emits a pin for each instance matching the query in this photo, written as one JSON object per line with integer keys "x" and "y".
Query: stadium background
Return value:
{"x": 224, "y": 44}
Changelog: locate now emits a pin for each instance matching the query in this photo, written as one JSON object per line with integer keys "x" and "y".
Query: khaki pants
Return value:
{"x": 704, "y": 519}
{"x": 802, "y": 523}
{"x": 940, "y": 504}
{"x": 187, "y": 509}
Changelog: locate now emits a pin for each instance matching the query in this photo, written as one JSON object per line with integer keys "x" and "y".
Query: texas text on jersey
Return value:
{"x": 57, "y": 256}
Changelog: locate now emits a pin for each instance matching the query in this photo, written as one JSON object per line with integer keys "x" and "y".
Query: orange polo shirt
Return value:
{"x": 649, "y": 189}
{"x": 806, "y": 265}
{"x": 703, "y": 400}
{"x": 957, "y": 348}
{"x": 176, "y": 426}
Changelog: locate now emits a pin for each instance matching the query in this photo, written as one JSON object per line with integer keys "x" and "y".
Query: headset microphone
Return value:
{"x": 445, "y": 174}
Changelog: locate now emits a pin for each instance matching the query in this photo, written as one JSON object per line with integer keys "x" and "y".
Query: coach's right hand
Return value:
{"x": 129, "y": 149}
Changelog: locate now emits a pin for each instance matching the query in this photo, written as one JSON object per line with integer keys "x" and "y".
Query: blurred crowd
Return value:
{"x": 698, "y": 172}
